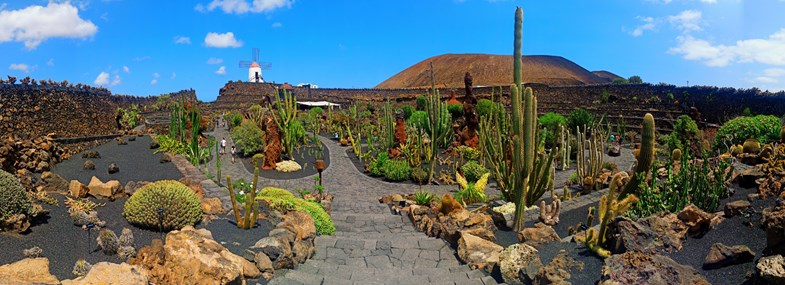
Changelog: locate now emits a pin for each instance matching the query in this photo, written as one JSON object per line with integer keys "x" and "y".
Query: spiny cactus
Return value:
{"x": 644, "y": 156}
{"x": 610, "y": 207}
{"x": 566, "y": 148}
{"x": 388, "y": 126}
{"x": 181, "y": 207}
{"x": 589, "y": 165}
{"x": 676, "y": 154}
{"x": 549, "y": 214}
{"x": 81, "y": 267}
{"x": 751, "y": 145}
{"x": 126, "y": 238}
{"x": 126, "y": 252}
{"x": 107, "y": 241}
{"x": 247, "y": 220}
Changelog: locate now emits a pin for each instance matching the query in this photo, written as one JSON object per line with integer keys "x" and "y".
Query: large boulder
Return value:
{"x": 698, "y": 221}
{"x": 300, "y": 224}
{"x": 642, "y": 268}
{"x": 773, "y": 221}
{"x": 54, "y": 183}
{"x": 538, "y": 235}
{"x": 211, "y": 206}
{"x": 772, "y": 269}
{"x": 107, "y": 189}
{"x": 721, "y": 255}
{"x": 77, "y": 189}
{"x": 449, "y": 227}
{"x": 277, "y": 248}
{"x": 558, "y": 271}
{"x": 478, "y": 253}
{"x": 655, "y": 234}
{"x": 27, "y": 271}
{"x": 112, "y": 273}
{"x": 191, "y": 256}
{"x": 735, "y": 208}
{"x": 519, "y": 263}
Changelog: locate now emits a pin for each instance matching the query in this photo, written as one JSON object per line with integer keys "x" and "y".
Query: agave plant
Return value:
{"x": 471, "y": 193}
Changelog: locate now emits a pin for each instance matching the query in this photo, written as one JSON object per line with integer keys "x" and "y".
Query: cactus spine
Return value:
{"x": 644, "y": 157}
{"x": 389, "y": 125}
{"x": 610, "y": 207}
{"x": 287, "y": 111}
{"x": 566, "y": 148}
{"x": 589, "y": 166}
{"x": 438, "y": 125}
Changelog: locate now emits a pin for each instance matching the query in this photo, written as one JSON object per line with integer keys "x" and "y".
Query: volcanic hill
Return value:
{"x": 492, "y": 70}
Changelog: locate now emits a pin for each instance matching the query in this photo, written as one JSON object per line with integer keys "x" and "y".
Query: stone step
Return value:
{"x": 315, "y": 272}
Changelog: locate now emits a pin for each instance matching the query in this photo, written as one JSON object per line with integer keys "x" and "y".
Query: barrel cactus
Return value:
{"x": 181, "y": 207}
{"x": 676, "y": 154}
{"x": 13, "y": 196}
{"x": 751, "y": 145}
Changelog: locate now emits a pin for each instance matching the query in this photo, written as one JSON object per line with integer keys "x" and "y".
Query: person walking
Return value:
{"x": 223, "y": 145}
{"x": 233, "y": 153}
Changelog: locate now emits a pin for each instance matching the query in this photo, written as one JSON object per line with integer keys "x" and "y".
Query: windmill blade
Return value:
{"x": 244, "y": 64}
{"x": 266, "y": 65}
{"x": 255, "y": 54}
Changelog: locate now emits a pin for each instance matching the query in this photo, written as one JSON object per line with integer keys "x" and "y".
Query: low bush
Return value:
{"x": 407, "y": 112}
{"x": 551, "y": 122}
{"x": 234, "y": 119}
{"x": 397, "y": 170}
{"x": 579, "y": 117}
{"x": 181, "y": 207}
{"x": 282, "y": 199}
{"x": 376, "y": 167}
{"x": 13, "y": 196}
{"x": 169, "y": 144}
{"x": 473, "y": 170}
{"x": 685, "y": 135}
{"x": 456, "y": 110}
{"x": 419, "y": 175}
{"x": 763, "y": 128}
{"x": 484, "y": 107}
{"x": 248, "y": 138}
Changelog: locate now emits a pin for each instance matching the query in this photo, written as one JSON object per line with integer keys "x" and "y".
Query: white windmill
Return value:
{"x": 255, "y": 67}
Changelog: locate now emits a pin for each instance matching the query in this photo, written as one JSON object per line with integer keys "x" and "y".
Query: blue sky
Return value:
{"x": 152, "y": 47}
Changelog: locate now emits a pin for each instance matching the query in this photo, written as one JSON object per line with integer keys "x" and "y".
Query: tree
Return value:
{"x": 635, "y": 80}
{"x": 619, "y": 81}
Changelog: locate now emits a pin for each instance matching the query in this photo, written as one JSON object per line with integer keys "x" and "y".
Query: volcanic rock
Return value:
{"x": 88, "y": 165}
{"x": 640, "y": 268}
{"x": 478, "y": 253}
{"x": 519, "y": 263}
{"x": 113, "y": 168}
{"x": 735, "y": 208}
{"x": 112, "y": 273}
{"x": 538, "y": 235}
{"x": 33, "y": 271}
{"x": 721, "y": 255}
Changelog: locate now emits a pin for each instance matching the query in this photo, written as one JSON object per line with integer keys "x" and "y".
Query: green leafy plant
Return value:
{"x": 248, "y": 138}
{"x": 468, "y": 153}
{"x": 13, "y": 196}
{"x": 377, "y": 166}
{"x": 456, "y": 110}
{"x": 763, "y": 128}
{"x": 284, "y": 200}
{"x": 472, "y": 170}
{"x": 168, "y": 144}
{"x": 181, "y": 207}
{"x": 407, "y": 111}
{"x": 552, "y": 122}
{"x": 471, "y": 193}
{"x": 397, "y": 170}
{"x": 419, "y": 175}
{"x": 234, "y": 119}
{"x": 580, "y": 118}
{"x": 423, "y": 198}
{"x": 484, "y": 107}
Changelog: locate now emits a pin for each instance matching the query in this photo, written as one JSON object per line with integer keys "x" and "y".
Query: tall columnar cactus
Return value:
{"x": 610, "y": 207}
{"x": 566, "y": 148}
{"x": 495, "y": 143}
{"x": 388, "y": 122}
{"x": 645, "y": 156}
{"x": 247, "y": 220}
{"x": 287, "y": 111}
{"x": 589, "y": 165}
{"x": 436, "y": 126}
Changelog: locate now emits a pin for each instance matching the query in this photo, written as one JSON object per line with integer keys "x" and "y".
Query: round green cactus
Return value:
{"x": 676, "y": 154}
{"x": 181, "y": 207}
{"x": 751, "y": 145}
{"x": 13, "y": 196}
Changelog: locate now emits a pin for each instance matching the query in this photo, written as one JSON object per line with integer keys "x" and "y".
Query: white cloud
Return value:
{"x": 154, "y": 82}
{"x": 34, "y": 24}
{"x": 20, "y": 66}
{"x": 182, "y": 40}
{"x": 769, "y": 51}
{"x": 126, "y": 69}
{"x": 214, "y": 60}
{"x": 173, "y": 76}
{"x": 221, "y": 71}
{"x": 51, "y": 62}
{"x": 770, "y": 75}
{"x": 156, "y": 75}
{"x": 102, "y": 79}
{"x": 277, "y": 25}
{"x": 687, "y": 20}
{"x": 222, "y": 40}
{"x": 243, "y": 6}
{"x": 648, "y": 25}
{"x": 115, "y": 81}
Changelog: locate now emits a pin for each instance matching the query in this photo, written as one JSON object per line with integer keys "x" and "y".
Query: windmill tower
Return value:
{"x": 255, "y": 67}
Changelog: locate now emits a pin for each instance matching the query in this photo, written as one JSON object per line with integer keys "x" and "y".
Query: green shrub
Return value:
{"x": 377, "y": 167}
{"x": 468, "y": 153}
{"x": 763, "y": 128}
{"x": 418, "y": 119}
{"x": 234, "y": 119}
{"x": 484, "y": 107}
{"x": 315, "y": 112}
{"x": 456, "y": 110}
{"x": 181, "y": 207}
{"x": 421, "y": 102}
{"x": 248, "y": 138}
{"x": 407, "y": 112}
{"x": 685, "y": 134}
{"x": 169, "y": 144}
{"x": 419, "y": 175}
{"x": 551, "y": 122}
{"x": 296, "y": 131}
{"x": 472, "y": 170}
{"x": 579, "y": 117}
{"x": 397, "y": 170}
{"x": 13, "y": 197}
{"x": 277, "y": 198}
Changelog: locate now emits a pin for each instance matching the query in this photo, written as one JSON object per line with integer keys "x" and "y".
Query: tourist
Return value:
{"x": 233, "y": 154}
{"x": 223, "y": 146}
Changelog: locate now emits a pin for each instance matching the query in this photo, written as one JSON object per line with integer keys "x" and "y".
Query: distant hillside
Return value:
{"x": 487, "y": 69}
{"x": 606, "y": 74}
